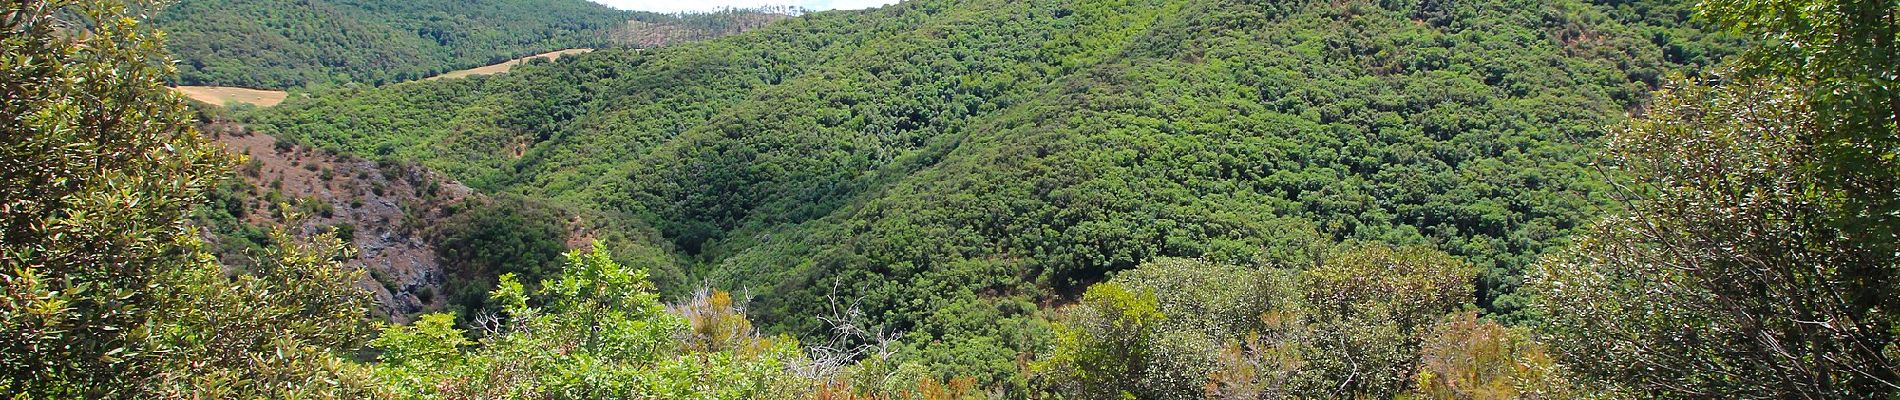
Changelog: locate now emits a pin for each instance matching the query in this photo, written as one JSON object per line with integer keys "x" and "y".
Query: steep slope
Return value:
{"x": 961, "y": 165}
{"x": 384, "y": 211}
{"x": 428, "y": 242}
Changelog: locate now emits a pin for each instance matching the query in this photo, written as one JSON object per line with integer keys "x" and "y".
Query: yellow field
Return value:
{"x": 220, "y": 95}
{"x": 506, "y": 65}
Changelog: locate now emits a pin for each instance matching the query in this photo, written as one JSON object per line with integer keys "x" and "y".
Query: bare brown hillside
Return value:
{"x": 386, "y": 209}
{"x": 505, "y": 66}
{"x": 219, "y": 95}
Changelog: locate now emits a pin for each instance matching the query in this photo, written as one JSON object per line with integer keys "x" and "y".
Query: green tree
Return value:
{"x": 493, "y": 237}
{"x": 1370, "y": 306}
{"x": 1729, "y": 274}
{"x": 1842, "y": 54}
{"x": 1105, "y": 348}
{"x": 100, "y": 166}
{"x": 1350, "y": 325}
{"x": 277, "y": 331}
{"x": 107, "y": 293}
{"x": 284, "y": 44}
{"x": 1758, "y": 255}
{"x": 599, "y": 331}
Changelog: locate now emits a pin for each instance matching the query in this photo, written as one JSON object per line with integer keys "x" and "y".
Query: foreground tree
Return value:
{"x": 1728, "y": 276}
{"x": 597, "y": 330}
{"x": 1757, "y": 256}
{"x": 100, "y": 166}
{"x": 105, "y": 292}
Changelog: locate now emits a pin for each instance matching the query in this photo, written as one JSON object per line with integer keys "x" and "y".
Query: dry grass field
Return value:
{"x": 505, "y": 65}
{"x": 220, "y": 95}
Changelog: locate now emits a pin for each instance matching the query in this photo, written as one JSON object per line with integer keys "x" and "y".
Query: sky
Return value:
{"x": 709, "y": 5}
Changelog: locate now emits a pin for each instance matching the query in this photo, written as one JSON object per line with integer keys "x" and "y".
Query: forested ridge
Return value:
{"x": 949, "y": 199}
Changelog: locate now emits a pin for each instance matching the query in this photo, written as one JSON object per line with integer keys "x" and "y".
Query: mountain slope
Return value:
{"x": 961, "y": 165}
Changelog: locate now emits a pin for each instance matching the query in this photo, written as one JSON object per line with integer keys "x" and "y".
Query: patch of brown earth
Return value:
{"x": 390, "y": 208}
{"x": 221, "y": 95}
{"x": 505, "y": 66}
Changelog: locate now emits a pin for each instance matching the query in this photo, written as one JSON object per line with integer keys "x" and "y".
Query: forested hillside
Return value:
{"x": 1001, "y": 199}
{"x": 960, "y": 165}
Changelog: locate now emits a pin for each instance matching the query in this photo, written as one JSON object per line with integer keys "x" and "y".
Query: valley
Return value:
{"x": 951, "y": 199}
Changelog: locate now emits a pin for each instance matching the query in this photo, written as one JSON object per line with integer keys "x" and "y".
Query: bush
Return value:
{"x": 497, "y": 236}
{"x": 1468, "y": 358}
{"x": 1350, "y": 326}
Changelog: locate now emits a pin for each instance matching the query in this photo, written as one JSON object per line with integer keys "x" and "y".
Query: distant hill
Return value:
{"x": 286, "y": 43}
{"x": 276, "y": 44}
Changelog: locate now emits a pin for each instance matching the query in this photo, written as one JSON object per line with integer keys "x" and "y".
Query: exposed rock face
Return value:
{"x": 388, "y": 208}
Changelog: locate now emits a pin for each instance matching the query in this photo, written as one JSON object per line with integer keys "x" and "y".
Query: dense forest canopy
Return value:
{"x": 954, "y": 199}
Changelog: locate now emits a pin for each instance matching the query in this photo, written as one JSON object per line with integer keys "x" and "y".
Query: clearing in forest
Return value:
{"x": 504, "y": 66}
{"x": 221, "y": 95}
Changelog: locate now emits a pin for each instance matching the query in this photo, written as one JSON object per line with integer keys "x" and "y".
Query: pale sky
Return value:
{"x": 709, "y": 5}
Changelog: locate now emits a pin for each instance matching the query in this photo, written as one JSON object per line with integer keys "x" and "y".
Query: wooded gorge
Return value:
{"x": 1155, "y": 199}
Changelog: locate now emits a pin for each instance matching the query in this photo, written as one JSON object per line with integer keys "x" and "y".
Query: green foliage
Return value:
{"x": 1730, "y": 273}
{"x": 1368, "y": 307}
{"x": 1353, "y": 325}
{"x": 601, "y": 333}
{"x": 429, "y": 344}
{"x": 955, "y": 164}
{"x": 105, "y": 292}
{"x": 101, "y": 167}
{"x": 232, "y": 239}
{"x": 1758, "y": 255}
{"x": 1841, "y": 54}
{"x": 1105, "y": 351}
{"x": 275, "y": 332}
{"x": 1689, "y": 42}
{"x": 494, "y": 237}
{"x": 955, "y": 167}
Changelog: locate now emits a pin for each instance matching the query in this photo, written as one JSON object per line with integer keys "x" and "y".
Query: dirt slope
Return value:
{"x": 505, "y": 65}
{"x": 389, "y": 209}
{"x": 221, "y": 95}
